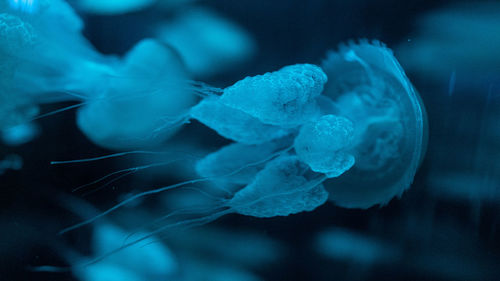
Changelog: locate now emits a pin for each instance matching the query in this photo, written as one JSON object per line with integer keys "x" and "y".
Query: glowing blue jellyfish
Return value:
{"x": 113, "y": 7}
{"x": 20, "y": 134}
{"x": 369, "y": 87}
{"x": 462, "y": 36}
{"x": 128, "y": 265}
{"x": 207, "y": 42}
{"x": 140, "y": 94}
{"x": 42, "y": 58}
{"x": 11, "y": 162}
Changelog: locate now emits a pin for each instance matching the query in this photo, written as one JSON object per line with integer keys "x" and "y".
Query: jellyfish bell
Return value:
{"x": 370, "y": 88}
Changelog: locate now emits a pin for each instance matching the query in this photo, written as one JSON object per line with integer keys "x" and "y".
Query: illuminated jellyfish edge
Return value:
{"x": 358, "y": 189}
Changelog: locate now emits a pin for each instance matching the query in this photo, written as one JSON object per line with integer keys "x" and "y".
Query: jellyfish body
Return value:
{"x": 11, "y": 162}
{"x": 370, "y": 88}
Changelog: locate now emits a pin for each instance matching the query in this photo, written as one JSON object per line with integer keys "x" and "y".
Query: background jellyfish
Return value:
{"x": 462, "y": 38}
{"x": 114, "y": 94}
{"x": 349, "y": 246}
{"x": 112, "y": 7}
{"x": 147, "y": 87}
{"x": 11, "y": 162}
{"x": 41, "y": 59}
{"x": 207, "y": 42}
{"x": 20, "y": 134}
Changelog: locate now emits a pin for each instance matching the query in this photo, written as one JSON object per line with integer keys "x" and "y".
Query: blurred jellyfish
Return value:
{"x": 369, "y": 87}
{"x": 20, "y": 134}
{"x": 465, "y": 186}
{"x": 43, "y": 55}
{"x": 147, "y": 260}
{"x": 46, "y": 59}
{"x": 349, "y": 246}
{"x": 147, "y": 87}
{"x": 11, "y": 162}
{"x": 112, "y": 7}
{"x": 161, "y": 261}
{"x": 463, "y": 37}
{"x": 207, "y": 42}
{"x": 129, "y": 264}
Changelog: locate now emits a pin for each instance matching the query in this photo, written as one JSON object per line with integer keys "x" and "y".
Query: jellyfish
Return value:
{"x": 140, "y": 92}
{"x": 207, "y": 42}
{"x": 42, "y": 55}
{"x": 107, "y": 235}
{"x": 114, "y": 7}
{"x": 11, "y": 162}
{"x": 369, "y": 87}
{"x": 353, "y": 140}
{"x": 463, "y": 37}
{"x": 353, "y": 247}
{"x": 128, "y": 264}
{"x": 20, "y": 134}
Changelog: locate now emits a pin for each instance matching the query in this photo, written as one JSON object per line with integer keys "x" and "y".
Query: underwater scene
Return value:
{"x": 279, "y": 140}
